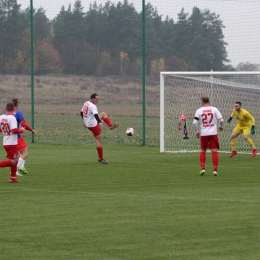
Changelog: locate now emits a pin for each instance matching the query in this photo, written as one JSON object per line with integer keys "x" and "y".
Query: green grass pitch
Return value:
{"x": 142, "y": 205}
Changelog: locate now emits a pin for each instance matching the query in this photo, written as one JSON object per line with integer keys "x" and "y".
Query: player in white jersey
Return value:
{"x": 92, "y": 120}
{"x": 208, "y": 117}
{"x": 8, "y": 126}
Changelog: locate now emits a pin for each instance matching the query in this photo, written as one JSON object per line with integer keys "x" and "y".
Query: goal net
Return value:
{"x": 180, "y": 94}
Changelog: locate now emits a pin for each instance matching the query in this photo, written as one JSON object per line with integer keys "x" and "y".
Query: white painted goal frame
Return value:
{"x": 181, "y": 92}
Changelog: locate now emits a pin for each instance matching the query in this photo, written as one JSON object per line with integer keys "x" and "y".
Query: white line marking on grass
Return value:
{"x": 136, "y": 196}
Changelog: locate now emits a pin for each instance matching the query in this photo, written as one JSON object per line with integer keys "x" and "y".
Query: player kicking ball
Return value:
{"x": 92, "y": 120}
{"x": 245, "y": 125}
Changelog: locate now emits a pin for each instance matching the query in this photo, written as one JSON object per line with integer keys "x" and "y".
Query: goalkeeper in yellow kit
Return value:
{"x": 245, "y": 125}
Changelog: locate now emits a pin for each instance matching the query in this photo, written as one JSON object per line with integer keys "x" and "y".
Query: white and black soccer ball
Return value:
{"x": 129, "y": 131}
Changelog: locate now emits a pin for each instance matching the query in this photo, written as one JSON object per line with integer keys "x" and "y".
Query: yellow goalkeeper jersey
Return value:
{"x": 243, "y": 117}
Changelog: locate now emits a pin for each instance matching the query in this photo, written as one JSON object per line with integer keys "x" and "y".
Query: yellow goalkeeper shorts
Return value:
{"x": 242, "y": 129}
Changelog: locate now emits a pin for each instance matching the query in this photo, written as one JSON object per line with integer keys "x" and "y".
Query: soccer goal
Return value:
{"x": 180, "y": 94}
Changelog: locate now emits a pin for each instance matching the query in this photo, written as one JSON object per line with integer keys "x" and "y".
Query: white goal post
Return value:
{"x": 181, "y": 92}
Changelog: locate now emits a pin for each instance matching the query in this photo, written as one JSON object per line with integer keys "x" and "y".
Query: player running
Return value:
{"x": 22, "y": 146}
{"x": 208, "y": 117}
{"x": 245, "y": 125}
{"x": 8, "y": 126}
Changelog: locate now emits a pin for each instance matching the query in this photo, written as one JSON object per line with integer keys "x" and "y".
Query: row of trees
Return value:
{"x": 107, "y": 39}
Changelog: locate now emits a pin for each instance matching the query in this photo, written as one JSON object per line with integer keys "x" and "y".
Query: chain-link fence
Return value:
{"x": 83, "y": 47}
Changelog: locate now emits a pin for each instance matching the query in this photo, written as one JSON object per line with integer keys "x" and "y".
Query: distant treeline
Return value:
{"x": 107, "y": 40}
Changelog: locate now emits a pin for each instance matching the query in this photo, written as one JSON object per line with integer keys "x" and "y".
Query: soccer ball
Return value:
{"x": 130, "y": 131}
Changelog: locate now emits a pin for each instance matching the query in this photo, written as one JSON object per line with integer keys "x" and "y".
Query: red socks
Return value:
{"x": 13, "y": 167}
{"x": 13, "y": 171}
{"x": 202, "y": 160}
{"x": 100, "y": 152}
{"x": 215, "y": 160}
{"x": 107, "y": 121}
{"x": 6, "y": 164}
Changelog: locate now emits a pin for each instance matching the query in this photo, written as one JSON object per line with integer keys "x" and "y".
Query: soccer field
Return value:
{"x": 142, "y": 205}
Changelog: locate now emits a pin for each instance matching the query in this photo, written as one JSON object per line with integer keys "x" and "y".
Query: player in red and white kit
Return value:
{"x": 92, "y": 120}
{"x": 208, "y": 117}
{"x": 8, "y": 126}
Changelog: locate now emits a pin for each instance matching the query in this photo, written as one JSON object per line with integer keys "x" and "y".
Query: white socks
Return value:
{"x": 20, "y": 163}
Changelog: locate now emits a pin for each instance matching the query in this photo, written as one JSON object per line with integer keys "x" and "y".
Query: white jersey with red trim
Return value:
{"x": 208, "y": 117}
{"x": 7, "y": 123}
{"x": 89, "y": 110}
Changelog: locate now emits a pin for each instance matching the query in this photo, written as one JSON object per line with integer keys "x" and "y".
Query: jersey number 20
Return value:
{"x": 6, "y": 128}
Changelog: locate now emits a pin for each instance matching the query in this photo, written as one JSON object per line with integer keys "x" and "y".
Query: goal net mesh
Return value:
{"x": 182, "y": 96}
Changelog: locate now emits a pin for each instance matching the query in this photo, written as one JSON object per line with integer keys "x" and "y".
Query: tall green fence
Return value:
{"x": 113, "y": 49}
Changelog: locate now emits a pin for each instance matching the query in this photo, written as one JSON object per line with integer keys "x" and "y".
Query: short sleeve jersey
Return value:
{"x": 19, "y": 117}
{"x": 7, "y": 123}
{"x": 89, "y": 110}
{"x": 208, "y": 117}
{"x": 243, "y": 117}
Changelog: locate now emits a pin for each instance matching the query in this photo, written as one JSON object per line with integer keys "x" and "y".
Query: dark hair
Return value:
{"x": 239, "y": 103}
{"x": 9, "y": 106}
{"x": 93, "y": 95}
{"x": 15, "y": 101}
{"x": 205, "y": 99}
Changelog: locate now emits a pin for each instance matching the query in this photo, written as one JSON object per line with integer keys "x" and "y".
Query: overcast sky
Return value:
{"x": 240, "y": 17}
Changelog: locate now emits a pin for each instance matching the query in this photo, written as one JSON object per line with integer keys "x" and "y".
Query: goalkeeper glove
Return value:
{"x": 252, "y": 131}
{"x": 229, "y": 120}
